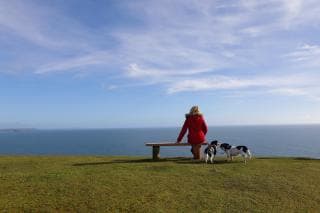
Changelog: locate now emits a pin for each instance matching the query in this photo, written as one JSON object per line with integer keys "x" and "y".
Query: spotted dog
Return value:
{"x": 232, "y": 151}
{"x": 211, "y": 151}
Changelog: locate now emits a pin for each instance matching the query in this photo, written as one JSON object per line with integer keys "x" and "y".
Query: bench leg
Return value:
{"x": 155, "y": 152}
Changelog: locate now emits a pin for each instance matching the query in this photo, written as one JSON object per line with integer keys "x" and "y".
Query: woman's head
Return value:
{"x": 195, "y": 111}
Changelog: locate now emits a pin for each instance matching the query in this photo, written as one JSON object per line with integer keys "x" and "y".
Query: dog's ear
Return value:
{"x": 215, "y": 142}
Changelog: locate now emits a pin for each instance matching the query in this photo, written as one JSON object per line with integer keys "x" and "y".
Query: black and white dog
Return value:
{"x": 232, "y": 151}
{"x": 211, "y": 151}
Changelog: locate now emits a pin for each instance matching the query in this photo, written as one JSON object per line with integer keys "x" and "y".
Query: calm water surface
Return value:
{"x": 295, "y": 140}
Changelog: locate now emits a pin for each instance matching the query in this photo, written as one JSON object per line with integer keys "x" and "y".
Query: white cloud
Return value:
{"x": 96, "y": 58}
{"x": 44, "y": 27}
{"x": 182, "y": 45}
{"x": 178, "y": 35}
{"x": 292, "y": 10}
{"x": 135, "y": 71}
{"x": 23, "y": 20}
{"x": 300, "y": 12}
{"x": 251, "y": 18}
{"x": 211, "y": 83}
{"x": 282, "y": 85}
{"x": 311, "y": 92}
{"x": 289, "y": 91}
{"x": 307, "y": 56}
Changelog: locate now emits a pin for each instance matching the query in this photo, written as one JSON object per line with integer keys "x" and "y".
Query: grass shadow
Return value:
{"x": 113, "y": 162}
{"x": 305, "y": 158}
{"x": 190, "y": 161}
{"x": 178, "y": 160}
{"x": 285, "y": 157}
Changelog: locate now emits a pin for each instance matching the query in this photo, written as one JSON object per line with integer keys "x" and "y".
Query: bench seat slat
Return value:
{"x": 156, "y": 147}
{"x": 171, "y": 144}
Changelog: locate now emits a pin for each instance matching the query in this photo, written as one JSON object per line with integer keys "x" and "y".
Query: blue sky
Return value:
{"x": 105, "y": 64}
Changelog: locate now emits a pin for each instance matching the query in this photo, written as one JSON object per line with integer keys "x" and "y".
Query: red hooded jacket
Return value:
{"x": 197, "y": 129}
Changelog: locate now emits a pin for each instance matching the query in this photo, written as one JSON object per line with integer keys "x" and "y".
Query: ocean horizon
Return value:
{"x": 263, "y": 140}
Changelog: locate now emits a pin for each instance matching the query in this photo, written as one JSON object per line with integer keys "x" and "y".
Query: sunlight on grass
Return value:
{"x": 116, "y": 184}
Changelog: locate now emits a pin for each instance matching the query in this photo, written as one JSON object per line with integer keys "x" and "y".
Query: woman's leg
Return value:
{"x": 196, "y": 151}
{"x": 193, "y": 151}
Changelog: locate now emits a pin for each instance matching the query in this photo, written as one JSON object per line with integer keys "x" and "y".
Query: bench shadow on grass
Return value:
{"x": 114, "y": 162}
{"x": 178, "y": 160}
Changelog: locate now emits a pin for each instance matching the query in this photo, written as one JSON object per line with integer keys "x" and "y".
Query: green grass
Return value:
{"x": 133, "y": 184}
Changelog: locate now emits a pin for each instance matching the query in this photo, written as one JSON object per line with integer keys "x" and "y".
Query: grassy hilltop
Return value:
{"x": 136, "y": 184}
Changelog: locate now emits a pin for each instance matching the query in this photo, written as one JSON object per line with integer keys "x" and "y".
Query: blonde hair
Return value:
{"x": 195, "y": 111}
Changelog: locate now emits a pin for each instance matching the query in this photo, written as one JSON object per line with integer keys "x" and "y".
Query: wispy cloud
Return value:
{"x": 41, "y": 25}
{"x": 181, "y": 45}
{"x": 293, "y": 86}
{"x": 96, "y": 58}
{"x": 20, "y": 19}
{"x": 289, "y": 91}
{"x": 300, "y": 12}
{"x": 311, "y": 92}
{"x": 306, "y": 56}
{"x": 229, "y": 83}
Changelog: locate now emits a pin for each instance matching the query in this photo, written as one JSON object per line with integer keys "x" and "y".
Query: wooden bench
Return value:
{"x": 156, "y": 147}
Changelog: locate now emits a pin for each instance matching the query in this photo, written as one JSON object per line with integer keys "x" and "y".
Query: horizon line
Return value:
{"x": 150, "y": 127}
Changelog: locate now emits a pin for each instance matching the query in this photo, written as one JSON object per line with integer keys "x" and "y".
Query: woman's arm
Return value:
{"x": 183, "y": 131}
{"x": 204, "y": 127}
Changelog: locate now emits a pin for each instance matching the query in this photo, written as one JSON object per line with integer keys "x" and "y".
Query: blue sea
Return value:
{"x": 283, "y": 140}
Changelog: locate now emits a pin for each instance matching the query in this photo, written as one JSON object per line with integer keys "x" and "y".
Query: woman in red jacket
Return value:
{"x": 197, "y": 129}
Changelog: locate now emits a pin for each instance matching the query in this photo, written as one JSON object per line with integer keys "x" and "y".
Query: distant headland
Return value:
{"x": 17, "y": 129}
